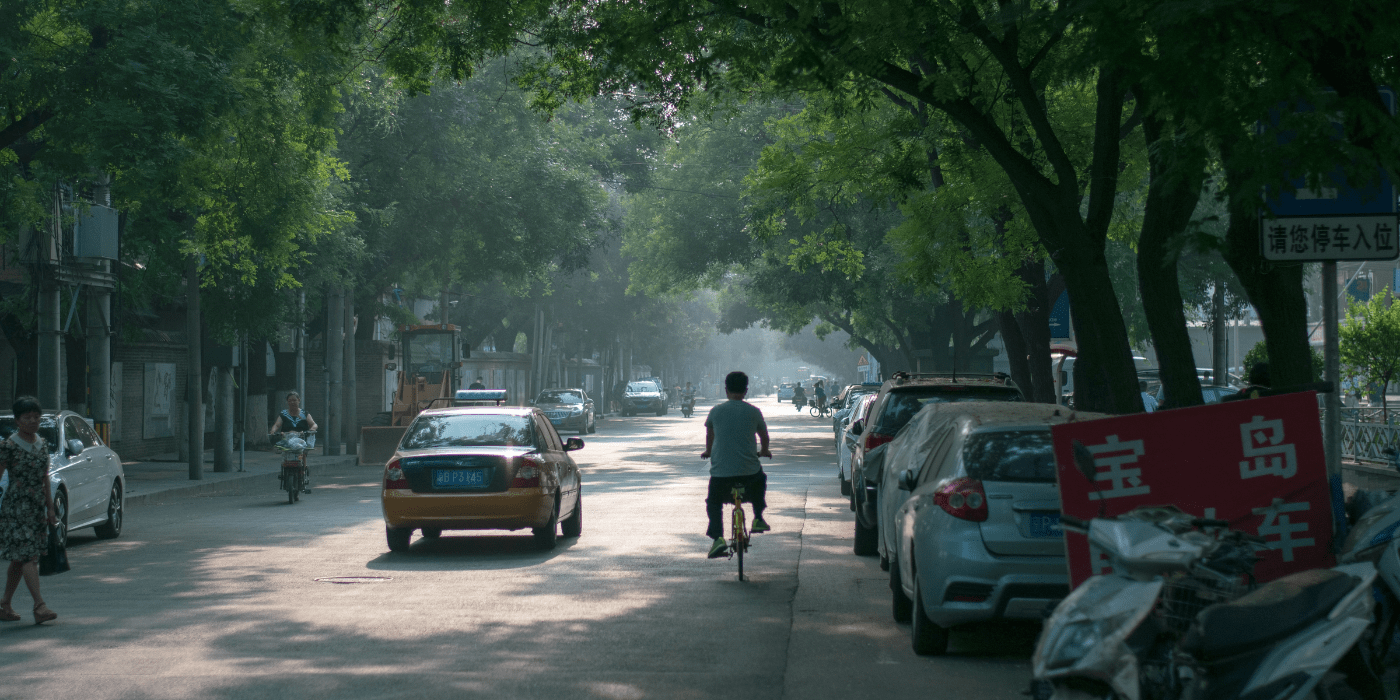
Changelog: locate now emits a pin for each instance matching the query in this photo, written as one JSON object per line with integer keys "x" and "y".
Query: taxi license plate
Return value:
{"x": 459, "y": 478}
{"x": 1045, "y": 525}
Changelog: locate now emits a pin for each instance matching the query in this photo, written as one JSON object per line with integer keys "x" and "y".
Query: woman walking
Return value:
{"x": 27, "y": 510}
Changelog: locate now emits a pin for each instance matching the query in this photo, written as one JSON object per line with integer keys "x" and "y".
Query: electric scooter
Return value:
{"x": 294, "y": 446}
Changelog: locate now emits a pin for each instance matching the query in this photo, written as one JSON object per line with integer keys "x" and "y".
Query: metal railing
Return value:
{"x": 1364, "y": 442}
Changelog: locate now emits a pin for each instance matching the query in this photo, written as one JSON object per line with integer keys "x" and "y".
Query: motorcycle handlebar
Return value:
{"x": 1074, "y": 523}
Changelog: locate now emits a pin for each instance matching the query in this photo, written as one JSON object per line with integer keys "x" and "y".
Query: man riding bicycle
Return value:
{"x": 820, "y": 391}
{"x": 729, "y": 445}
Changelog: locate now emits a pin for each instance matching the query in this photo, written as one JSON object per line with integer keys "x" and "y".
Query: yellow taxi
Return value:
{"x": 482, "y": 468}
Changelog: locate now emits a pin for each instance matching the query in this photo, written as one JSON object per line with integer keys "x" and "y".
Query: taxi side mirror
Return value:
{"x": 906, "y": 480}
{"x": 858, "y": 427}
{"x": 572, "y": 444}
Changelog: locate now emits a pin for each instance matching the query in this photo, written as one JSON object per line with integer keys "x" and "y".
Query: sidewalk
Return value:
{"x": 162, "y": 478}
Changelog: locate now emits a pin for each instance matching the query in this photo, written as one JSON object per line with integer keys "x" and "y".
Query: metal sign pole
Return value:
{"x": 1332, "y": 363}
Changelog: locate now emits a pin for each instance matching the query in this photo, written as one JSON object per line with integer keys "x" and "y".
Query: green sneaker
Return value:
{"x": 719, "y": 548}
{"x": 759, "y": 525}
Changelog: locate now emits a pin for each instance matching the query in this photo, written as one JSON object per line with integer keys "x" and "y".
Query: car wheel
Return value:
{"x": 60, "y": 507}
{"x": 593, "y": 426}
{"x": 845, "y": 486}
{"x": 865, "y": 539}
{"x": 113, "y": 526}
{"x": 927, "y": 638}
{"x": 573, "y": 525}
{"x": 432, "y": 533}
{"x": 884, "y": 563}
{"x": 901, "y": 607}
{"x": 547, "y": 535}
{"x": 398, "y": 537}
{"x": 661, "y": 411}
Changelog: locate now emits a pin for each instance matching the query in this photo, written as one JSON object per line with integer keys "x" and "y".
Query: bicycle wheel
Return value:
{"x": 741, "y": 537}
{"x": 815, "y": 412}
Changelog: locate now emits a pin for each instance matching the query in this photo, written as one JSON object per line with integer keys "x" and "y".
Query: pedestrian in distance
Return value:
{"x": 477, "y": 384}
{"x": 1149, "y": 402}
{"x": 27, "y": 511}
{"x": 294, "y": 419}
{"x": 729, "y": 445}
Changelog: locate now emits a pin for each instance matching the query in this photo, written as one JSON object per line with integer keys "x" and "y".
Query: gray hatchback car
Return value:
{"x": 970, "y": 517}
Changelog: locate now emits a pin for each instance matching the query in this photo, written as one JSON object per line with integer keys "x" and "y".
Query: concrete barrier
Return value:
{"x": 377, "y": 443}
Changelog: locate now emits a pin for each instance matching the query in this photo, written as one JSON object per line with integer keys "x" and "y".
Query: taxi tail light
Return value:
{"x": 394, "y": 477}
{"x": 874, "y": 440}
{"x": 963, "y": 498}
{"x": 527, "y": 475}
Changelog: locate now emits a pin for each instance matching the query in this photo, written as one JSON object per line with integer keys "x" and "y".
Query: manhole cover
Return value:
{"x": 353, "y": 579}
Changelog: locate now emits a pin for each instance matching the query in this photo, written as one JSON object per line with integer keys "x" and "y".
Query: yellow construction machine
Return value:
{"x": 432, "y": 363}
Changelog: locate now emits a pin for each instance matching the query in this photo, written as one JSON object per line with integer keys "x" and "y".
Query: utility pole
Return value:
{"x": 50, "y": 336}
{"x": 335, "y": 366}
{"x": 99, "y": 333}
{"x": 352, "y": 424}
{"x": 194, "y": 389}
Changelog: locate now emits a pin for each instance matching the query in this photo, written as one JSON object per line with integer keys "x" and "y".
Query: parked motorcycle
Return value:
{"x": 687, "y": 406}
{"x": 1180, "y": 618}
{"x": 1372, "y": 539}
{"x": 294, "y": 446}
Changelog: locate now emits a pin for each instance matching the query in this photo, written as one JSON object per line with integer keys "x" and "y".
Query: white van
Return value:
{"x": 1063, "y": 367}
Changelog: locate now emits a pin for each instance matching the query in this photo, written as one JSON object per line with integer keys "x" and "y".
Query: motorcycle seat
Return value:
{"x": 1269, "y": 613}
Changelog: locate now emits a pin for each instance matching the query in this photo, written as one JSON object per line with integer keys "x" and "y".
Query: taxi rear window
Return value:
{"x": 473, "y": 430}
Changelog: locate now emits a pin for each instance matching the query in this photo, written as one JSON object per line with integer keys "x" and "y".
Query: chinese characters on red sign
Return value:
{"x": 1257, "y": 464}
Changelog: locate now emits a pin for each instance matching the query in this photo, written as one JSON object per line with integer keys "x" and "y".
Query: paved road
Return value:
{"x": 214, "y": 597}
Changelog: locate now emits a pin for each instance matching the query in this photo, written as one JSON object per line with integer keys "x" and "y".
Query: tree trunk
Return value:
{"x": 1034, "y": 322}
{"x": 25, "y": 344}
{"x": 1016, "y": 353}
{"x": 1176, "y": 170}
{"x": 1276, "y": 292}
{"x": 1105, "y": 379}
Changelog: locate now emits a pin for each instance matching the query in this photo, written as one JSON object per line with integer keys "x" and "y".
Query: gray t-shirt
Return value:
{"x": 735, "y": 449}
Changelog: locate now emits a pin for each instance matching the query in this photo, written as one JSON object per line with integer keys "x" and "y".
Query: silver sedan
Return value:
{"x": 85, "y": 475}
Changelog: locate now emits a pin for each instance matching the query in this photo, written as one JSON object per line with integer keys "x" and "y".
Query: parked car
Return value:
{"x": 842, "y": 404}
{"x": 85, "y": 475}
{"x": 846, "y": 442}
{"x": 643, "y": 395}
{"x": 785, "y": 392}
{"x": 900, "y": 397}
{"x": 498, "y": 468}
{"x": 1212, "y": 393}
{"x": 568, "y": 409}
{"x": 969, "y": 517}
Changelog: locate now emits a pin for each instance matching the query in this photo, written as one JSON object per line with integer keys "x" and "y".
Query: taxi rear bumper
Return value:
{"x": 514, "y": 509}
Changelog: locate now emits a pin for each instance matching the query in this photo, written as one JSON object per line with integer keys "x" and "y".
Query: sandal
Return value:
{"x": 8, "y": 614}
{"x": 42, "y": 614}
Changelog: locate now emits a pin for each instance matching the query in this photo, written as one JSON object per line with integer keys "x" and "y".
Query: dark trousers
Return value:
{"x": 755, "y": 488}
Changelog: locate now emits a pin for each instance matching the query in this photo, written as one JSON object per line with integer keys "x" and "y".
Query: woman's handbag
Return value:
{"x": 55, "y": 559}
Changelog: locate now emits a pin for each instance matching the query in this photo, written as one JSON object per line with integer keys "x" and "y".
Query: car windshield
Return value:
{"x": 901, "y": 405}
{"x": 559, "y": 397}
{"x": 639, "y": 387}
{"x": 48, "y": 429}
{"x": 1010, "y": 455}
{"x": 470, "y": 430}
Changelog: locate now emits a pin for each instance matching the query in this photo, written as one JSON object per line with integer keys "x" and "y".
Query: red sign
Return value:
{"x": 1257, "y": 464}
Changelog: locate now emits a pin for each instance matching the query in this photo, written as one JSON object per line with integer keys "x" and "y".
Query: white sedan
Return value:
{"x": 85, "y": 475}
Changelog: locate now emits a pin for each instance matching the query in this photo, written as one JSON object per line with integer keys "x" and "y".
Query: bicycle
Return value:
{"x": 739, "y": 542}
{"x": 818, "y": 410}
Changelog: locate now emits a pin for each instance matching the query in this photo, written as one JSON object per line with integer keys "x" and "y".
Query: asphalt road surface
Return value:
{"x": 216, "y": 597}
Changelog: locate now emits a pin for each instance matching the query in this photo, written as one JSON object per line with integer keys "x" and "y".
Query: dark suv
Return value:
{"x": 902, "y": 396}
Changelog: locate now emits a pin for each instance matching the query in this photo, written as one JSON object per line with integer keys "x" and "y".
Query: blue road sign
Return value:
{"x": 1334, "y": 221}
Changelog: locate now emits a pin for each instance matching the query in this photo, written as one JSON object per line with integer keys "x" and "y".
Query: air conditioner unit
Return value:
{"x": 95, "y": 233}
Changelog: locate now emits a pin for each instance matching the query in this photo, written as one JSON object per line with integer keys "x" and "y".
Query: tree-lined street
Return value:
{"x": 216, "y": 597}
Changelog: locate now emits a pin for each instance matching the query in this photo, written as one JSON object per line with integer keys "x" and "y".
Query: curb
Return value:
{"x": 237, "y": 486}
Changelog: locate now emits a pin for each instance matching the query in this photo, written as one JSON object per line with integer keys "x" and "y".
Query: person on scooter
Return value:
{"x": 799, "y": 396}
{"x": 820, "y": 391}
{"x": 294, "y": 419}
